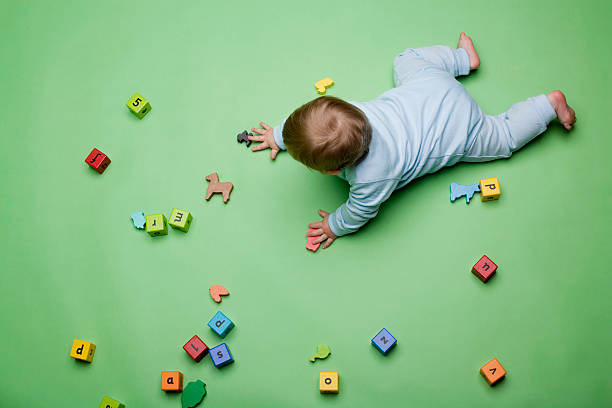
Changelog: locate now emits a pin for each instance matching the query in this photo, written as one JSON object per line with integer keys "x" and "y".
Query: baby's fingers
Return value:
{"x": 260, "y": 131}
{"x": 320, "y": 239}
{"x": 327, "y": 243}
{"x": 316, "y": 225}
{"x": 261, "y": 146}
{"x": 314, "y": 233}
{"x": 256, "y": 138}
{"x": 273, "y": 154}
{"x": 265, "y": 126}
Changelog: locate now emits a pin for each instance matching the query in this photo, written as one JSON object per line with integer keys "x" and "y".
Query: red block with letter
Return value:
{"x": 484, "y": 268}
{"x": 196, "y": 348}
{"x": 98, "y": 160}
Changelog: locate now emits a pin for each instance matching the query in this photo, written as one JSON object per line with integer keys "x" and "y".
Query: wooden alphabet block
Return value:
{"x": 82, "y": 350}
{"x": 156, "y": 225}
{"x": 484, "y": 268}
{"x": 98, "y": 160}
{"x": 196, "y": 348}
{"x": 329, "y": 382}
{"x": 171, "y": 381}
{"x": 108, "y": 402}
{"x": 384, "y": 341}
{"x": 221, "y": 324}
{"x": 489, "y": 189}
{"x": 221, "y": 356}
{"x": 493, "y": 371}
{"x": 180, "y": 219}
{"x": 139, "y": 105}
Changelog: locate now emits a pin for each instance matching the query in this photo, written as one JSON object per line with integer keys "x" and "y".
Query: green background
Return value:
{"x": 73, "y": 266}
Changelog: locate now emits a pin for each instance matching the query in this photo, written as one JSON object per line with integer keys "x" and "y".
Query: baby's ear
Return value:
{"x": 333, "y": 172}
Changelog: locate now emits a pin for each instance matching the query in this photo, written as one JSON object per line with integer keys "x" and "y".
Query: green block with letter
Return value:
{"x": 139, "y": 105}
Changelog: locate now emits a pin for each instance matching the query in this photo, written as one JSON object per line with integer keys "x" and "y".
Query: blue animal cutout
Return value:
{"x": 458, "y": 190}
{"x": 139, "y": 220}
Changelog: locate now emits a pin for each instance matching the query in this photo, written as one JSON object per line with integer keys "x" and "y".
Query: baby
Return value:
{"x": 428, "y": 121}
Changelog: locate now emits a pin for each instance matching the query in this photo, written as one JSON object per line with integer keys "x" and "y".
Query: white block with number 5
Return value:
{"x": 139, "y": 105}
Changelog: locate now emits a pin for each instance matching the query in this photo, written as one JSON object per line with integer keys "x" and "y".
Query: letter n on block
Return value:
{"x": 484, "y": 268}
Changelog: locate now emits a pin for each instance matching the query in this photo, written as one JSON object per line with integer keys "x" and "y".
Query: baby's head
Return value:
{"x": 327, "y": 134}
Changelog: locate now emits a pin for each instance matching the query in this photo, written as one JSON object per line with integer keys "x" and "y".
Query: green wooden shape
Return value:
{"x": 323, "y": 351}
{"x": 193, "y": 394}
{"x": 108, "y": 402}
{"x": 157, "y": 225}
{"x": 139, "y": 105}
{"x": 180, "y": 219}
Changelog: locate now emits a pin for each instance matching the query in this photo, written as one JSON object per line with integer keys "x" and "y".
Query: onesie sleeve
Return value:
{"x": 361, "y": 206}
{"x": 455, "y": 61}
{"x": 278, "y": 135}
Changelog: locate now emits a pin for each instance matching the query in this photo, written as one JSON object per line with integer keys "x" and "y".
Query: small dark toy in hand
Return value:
{"x": 244, "y": 137}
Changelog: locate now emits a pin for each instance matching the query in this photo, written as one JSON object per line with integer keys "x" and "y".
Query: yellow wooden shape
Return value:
{"x": 108, "y": 402}
{"x": 328, "y": 381}
{"x": 489, "y": 189}
{"x": 157, "y": 225}
{"x": 180, "y": 219}
{"x": 82, "y": 350}
{"x": 139, "y": 105}
{"x": 323, "y": 84}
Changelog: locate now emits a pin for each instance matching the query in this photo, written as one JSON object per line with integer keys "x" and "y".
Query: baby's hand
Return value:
{"x": 266, "y": 137}
{"x": 322, "y": 231}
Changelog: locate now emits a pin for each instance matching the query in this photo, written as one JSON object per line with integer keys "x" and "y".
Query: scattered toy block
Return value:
{"x": 138, "y": 219}
{"x": 171, "y": 381}
{"x": 384, "y": 341}
{"x": 98, "y": 160}
{"x": 108, "y": 402}
{"x": 221, "y": 324}
{"x": 309, "y": 245}
{"x": 458, "y": 190}
{"x": 196, "y": 348}
{"x": 244, "y": 138}
{"x": 221, "y": 356}
{"x": 193, "y": 394}
{"x": 139, "y": 105}
{"x": 82, "y": 350}
{"x": 323, "y": 84}
{"x": 157, "y": 225}
{"x": 484, "y": 268}
{"x": 180, "y": 219}
{"x": 490, "y": 189}
{"x": 216, "y": 291}
{"x": 323, "y": 351}
{"x": 493, "y": 371}
{"x": 214, "y": 186}
{"x": 328, "y": 382}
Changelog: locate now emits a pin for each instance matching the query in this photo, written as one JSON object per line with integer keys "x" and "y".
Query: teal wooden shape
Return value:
{"x": 322, "y": 352}
{"x": 193, "y": 394}
{"x": 138, "y": 218}
{"x": 458, "y": 190}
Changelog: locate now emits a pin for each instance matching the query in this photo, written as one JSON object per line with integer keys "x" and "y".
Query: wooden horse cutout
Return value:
{"x": 215, "y": 187}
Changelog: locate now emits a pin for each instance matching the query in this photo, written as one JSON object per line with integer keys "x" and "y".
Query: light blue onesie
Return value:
{"x": 427, "y": 122}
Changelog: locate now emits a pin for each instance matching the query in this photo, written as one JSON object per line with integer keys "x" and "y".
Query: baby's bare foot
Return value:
{"x": 466, "y": 43}
{"x": 565, "y": 113}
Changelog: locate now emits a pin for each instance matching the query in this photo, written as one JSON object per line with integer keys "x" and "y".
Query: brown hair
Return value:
{"x": 327, "y": 133}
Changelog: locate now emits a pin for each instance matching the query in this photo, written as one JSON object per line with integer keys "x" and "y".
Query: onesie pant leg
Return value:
{"x": 499, "y": 136}
{"x": 415, "y": 61}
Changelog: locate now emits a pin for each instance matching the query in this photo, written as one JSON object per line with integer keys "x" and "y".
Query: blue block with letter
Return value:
{"x": 221, "y": 324}
{"x": 384, "y": 341}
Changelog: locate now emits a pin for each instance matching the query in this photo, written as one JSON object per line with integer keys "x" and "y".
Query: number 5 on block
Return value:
{"x": 139, "y": 105}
